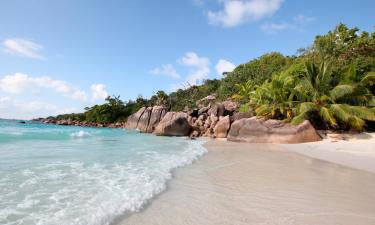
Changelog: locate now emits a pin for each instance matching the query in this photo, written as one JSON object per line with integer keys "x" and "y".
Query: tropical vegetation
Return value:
{"x": 331, "y": 83}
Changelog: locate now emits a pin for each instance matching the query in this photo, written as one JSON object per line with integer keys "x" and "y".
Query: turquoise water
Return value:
{"x": 54, "y": 175}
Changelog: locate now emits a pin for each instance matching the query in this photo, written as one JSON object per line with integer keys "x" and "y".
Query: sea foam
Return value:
{"x": 88, "y": 181}
{"x": 80, "y": 134}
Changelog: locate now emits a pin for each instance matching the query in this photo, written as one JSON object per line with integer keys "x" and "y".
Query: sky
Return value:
{"x": 61, "y": 56}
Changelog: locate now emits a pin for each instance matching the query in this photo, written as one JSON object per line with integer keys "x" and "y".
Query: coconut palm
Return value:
{"x": 244, "y": 91}
{"x": 346, "y": 103}
{"x": 274, "y": 99}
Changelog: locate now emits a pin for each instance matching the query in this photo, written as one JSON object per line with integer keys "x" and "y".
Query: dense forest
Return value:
{"x": 331, "y": 83}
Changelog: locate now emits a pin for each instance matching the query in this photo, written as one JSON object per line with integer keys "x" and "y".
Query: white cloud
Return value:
{"x": 236, "y": 12}
{"x": 22, "y": 109}
{"x": 192, "y": 59}
{"x": 273, "y": 28}
{"x": 24, "y": 97}
{"x": 23, "y": 48}
{"x": 199, "y": 67}
{"x": 298, "y": 23}
{"x": 302, "y": 19}
{"x": 166, "y": 70}
{"x": 98, "y": 92}
{"x": 21, "y": 83}
{"x": 224, "y": 66}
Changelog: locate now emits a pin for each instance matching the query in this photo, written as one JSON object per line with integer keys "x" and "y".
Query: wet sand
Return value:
{"x": 262, "y": 184}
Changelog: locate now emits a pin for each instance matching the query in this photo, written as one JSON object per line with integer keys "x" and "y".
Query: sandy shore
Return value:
{"x": 262, "y": 184}
{"x": 356, "y": 150}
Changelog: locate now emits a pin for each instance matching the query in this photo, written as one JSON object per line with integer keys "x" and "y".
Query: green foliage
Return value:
{"x": 257, "y": 70}
{"x": 113, "y": 110}
{"x": 331, "y": 83}
{"x": 244, "y": 91}
{"x": 244, "y": 108}
{"x": 274, "y": 99}
{"x": 187, "y": 98}
{"x": 322, "y": 96}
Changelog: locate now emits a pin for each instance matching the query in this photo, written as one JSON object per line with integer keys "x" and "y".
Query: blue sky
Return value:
{"x": 60, "y": 56}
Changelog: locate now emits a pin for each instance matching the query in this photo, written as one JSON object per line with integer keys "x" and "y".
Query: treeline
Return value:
{"x": 331, "y": 83}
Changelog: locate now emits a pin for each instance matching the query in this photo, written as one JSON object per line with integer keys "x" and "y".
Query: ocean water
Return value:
{"x": 54, "y": 175}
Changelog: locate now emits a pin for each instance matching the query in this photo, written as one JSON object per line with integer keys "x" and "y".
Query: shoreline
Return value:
{"x": 239, "y": 183}
{"x": 356, "y": 151}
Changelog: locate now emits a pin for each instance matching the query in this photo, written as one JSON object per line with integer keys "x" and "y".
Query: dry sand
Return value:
{"x": 262, "y": 184}
{"x": 352, "y": 150}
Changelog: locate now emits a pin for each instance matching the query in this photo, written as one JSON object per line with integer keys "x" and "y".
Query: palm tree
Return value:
{"x": 346, "y": 103}
{"x": 274, "y": 99}
{"x": 161, "y": 98}
{"x": 244, "y": 91}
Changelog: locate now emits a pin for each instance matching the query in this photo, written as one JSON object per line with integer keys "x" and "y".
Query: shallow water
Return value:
{"x": 73, "y": 175}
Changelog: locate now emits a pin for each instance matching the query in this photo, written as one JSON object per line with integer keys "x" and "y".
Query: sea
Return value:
{"x": 68, "y": 175}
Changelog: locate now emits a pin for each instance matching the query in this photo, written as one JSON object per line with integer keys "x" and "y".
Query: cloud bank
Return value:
{"x": 20, "y": 96}
{"x": 236, "y": 12}
{"x": 199, "y": 67}
{"x": 166, "y": 70}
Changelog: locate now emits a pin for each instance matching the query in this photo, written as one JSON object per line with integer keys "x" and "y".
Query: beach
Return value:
{"x": 237, "y": 183}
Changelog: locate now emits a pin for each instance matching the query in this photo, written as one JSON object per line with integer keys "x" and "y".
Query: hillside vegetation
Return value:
{"x": 331, "y": 83}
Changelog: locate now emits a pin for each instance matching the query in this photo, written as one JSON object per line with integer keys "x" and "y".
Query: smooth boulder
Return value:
{"x": 144, "y": 119}
{"x": 173, "y": 124}
{"x": 157, "y": 114}
{"x": 254, "y": 130}
{"x": 241, "y": 115}
{"x": 133, "y": 119}
{"x": 222, "y": 127}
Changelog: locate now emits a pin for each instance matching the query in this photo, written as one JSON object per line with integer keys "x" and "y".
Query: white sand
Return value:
{"x": 262, "y": 184}
{"x": 356, "y": 151}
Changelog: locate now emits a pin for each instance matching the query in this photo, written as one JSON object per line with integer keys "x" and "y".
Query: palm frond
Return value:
{"x": 263, "y": 110}
{"x": 349, "y": 76}
{"x": 339, "y": 112}
{"x": 360, "y": 112}
{"x": 306, "y": 107}
{"x": 341, "y": 90}
{"x": 356, "y": 123}
{"x": 369, "y": 79}
{"x": 327, "y": 116}
{"x": 299, "y": 118}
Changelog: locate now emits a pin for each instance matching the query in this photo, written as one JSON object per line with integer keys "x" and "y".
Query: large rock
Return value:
{"x": 144, "y": 119}
{"x": 173, "y": 124}
{"x": 222, "y": 127}
{"x": 226, "y": 108}
{"x": 133, "y": 119}
{"x": 203, "y": 110}
{"x": 158, "y": 112}
{"x": 241, "y": 115}
{"x": 213, "y": 111}
{"x": 255, "y": 130}
{"x": 230, "y": 106}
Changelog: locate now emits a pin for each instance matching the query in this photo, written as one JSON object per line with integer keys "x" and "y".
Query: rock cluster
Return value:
{"x": 212, "y": 121}
{"x": 69, "y": 122}
{"x": 220, "y": 120}
{"x": 216, "y": 120}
